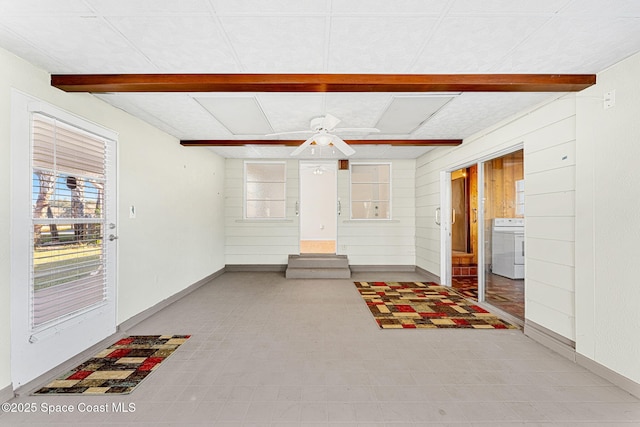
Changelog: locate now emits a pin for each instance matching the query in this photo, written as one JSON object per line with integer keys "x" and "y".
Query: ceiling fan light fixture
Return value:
{"x": 323, "y": 140}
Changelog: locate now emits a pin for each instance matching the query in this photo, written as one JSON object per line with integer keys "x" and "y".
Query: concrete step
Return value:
{"x": 318, "y": 267}
{"x": 318, "y": 261}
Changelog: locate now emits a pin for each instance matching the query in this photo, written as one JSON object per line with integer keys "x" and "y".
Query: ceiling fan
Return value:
{"x": 324, "y": 130}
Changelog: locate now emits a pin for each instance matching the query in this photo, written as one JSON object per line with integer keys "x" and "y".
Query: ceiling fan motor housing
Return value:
{"x": 317, "y": 124}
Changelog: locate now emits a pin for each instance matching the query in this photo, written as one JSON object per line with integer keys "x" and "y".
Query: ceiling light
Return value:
{"x": 323, "y": 140}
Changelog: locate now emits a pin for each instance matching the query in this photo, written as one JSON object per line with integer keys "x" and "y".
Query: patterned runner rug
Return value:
{"x": 411, "y": 305}
{"x": 117, "y": 369}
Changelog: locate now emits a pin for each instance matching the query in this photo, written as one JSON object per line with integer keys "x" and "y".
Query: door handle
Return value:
{"x": 475, "y": 215}
{"x": 112, "y": 237}
{"x": 297, "y": 208}
{"x": 339, "y": 208}
{"x": 438, "y": 216}
{"x": 453, "y": 216}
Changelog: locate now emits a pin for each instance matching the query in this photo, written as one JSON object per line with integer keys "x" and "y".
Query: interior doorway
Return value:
{"x": 464, "y": 222}
{"x": 318, "y": 207}
{"x": 487, "y": 232}
{"x": 504, "y": 230}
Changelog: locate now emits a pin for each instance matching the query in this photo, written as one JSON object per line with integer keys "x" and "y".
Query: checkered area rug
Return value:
{"x": 411, "y": 305}
{"x": 117, "y": 369}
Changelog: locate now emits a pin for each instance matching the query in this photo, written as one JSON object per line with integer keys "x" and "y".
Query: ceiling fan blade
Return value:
{"x": 342, "y": 146}
{"x": 363, "y": 130}
{"x": 330, "y": 122}
{"x": 304, "y": 145}
{"x": 290, "y": 133}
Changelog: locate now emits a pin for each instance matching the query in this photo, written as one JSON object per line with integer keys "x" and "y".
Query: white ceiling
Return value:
{"x": 321, "y": 36}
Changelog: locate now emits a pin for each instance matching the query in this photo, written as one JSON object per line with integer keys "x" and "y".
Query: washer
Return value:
{"x": 508, "y": 247}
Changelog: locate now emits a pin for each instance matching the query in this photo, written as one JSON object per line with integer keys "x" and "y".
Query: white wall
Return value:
{"x": 548, "y": 135}
{"x": 170, "y": 245}
{"x": 365, "y": 242}
{"x": 608, "y": 221}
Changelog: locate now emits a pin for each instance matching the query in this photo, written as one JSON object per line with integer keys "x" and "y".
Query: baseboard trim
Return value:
{"x": 255, "y": 268}
{"x": 552, "y": 340}
{"x": 566, "y": 347}
{"x": 120, "y": 333}
{"x": 382, "y": 268}
{"x": 432, "y": 277}
{"x": 615, "y": 378}
{"x": 133, "y": 321}
{"x": 6, "y": 393}
{"x": 50, "y": 375}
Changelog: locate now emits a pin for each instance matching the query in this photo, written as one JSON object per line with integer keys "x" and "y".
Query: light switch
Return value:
{"x": 132, "y": 212}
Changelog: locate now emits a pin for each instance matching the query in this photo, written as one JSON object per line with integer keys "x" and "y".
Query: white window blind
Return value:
{"x": 68, "y": 263}
{"x": 265, "y": 190}
{"x": 371, "y": 191}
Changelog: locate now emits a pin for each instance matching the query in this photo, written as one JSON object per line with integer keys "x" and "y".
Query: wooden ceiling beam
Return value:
{"x": 100, "y": 83}
{"x": 295, "y": 143}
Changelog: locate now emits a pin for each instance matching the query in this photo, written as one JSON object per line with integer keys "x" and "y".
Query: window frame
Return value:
{"x": 244, "y": 189}
{"x": 390, "y": 165}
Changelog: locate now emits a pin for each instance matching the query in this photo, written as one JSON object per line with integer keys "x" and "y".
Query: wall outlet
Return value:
{"x": 609, "y": 99}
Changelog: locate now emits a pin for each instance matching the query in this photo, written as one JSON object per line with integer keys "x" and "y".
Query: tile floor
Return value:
{"x": 497, "y": 286}
{"x": 266, "y": 351}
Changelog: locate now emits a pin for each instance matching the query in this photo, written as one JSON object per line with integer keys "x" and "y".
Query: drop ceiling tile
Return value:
{"x": 87, "y": 45}
{"x": 385, "y": 7}
{"x": 406, "y": 113}
{"x": 292, "y": 111}
{"x": 571, "y": 44}
{"x": 599, "y": 8}
{"x": 376, "y": 44}
{"x": 175, "y": 113}
{"x": 472, "y": 112}
{"x": 474, "y": 44}
{"x": 149, "y": 7}
{"x": 277, "y": 44}
{"x": 241, "y": 115}
{"x": 357, "y": 109}
{"x": 256, "y": 7}
{"x": 503, "y": 7}
{"x": 18, "y": 45}
{"x": 180, "y": 44}
{"x": 41, "y": 7}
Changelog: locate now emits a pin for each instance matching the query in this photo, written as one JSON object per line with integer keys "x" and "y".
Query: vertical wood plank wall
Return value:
{"x": 365, "y": 242}
{"x": 548, "y": 134}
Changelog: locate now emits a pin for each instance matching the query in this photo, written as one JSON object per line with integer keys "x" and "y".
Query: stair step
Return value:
{"x": 318, "y": 273}
{"x": 318, "y": 266}
{"x": 318, "y": 261}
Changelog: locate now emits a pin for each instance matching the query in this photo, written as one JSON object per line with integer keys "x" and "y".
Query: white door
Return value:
{"x": 63, "y": 213}
{"x": 318, "y": 206}
{"x": 443, "y": 219}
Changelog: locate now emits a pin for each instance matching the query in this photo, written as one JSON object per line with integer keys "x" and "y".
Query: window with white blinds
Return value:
{"x": 371, "y": 191}
{"x": 265, "y": 185}
{"x": 68, "y": 197}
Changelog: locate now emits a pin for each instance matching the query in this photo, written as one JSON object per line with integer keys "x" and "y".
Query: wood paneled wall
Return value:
{"x": 501, "y": 175}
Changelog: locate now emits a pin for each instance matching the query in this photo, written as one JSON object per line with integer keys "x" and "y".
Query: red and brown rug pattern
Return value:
{"x": 419, "y": 305}
{"x": 117, "y": 369}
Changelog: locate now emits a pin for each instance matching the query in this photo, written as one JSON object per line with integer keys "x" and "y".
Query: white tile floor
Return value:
{"x": 266, "y": 351}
